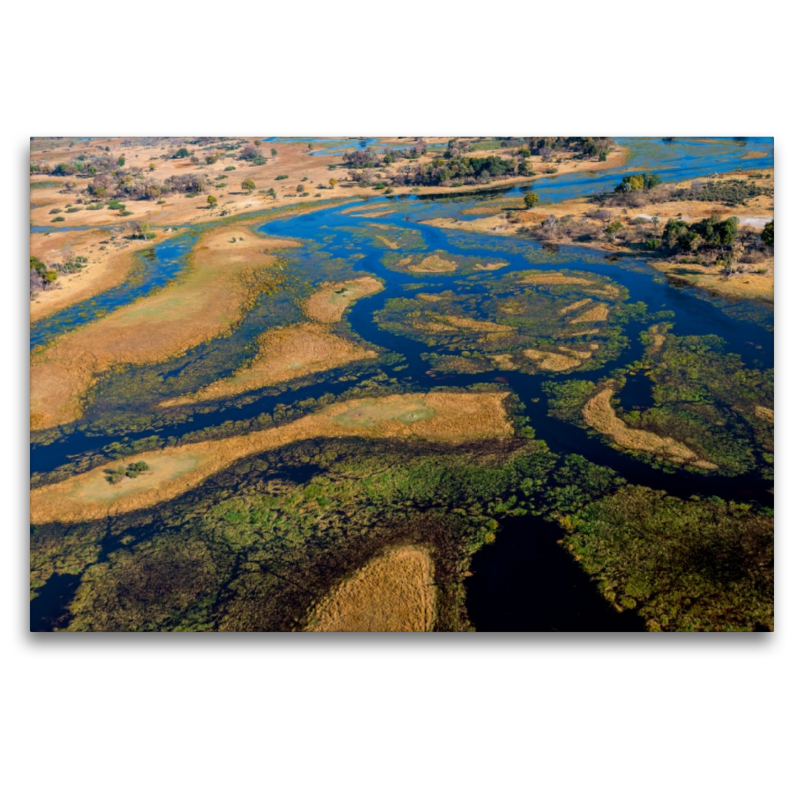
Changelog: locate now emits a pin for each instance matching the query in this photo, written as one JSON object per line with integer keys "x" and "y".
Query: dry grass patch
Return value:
{"x": 283, "y": 354}
{"x": 600, "y": 415}
{"x": 553, "y": 362}
{"x": 597, "y": 314}
{"x": 762, "y": 412}
{"x": 226, "y": 272}
{"x": 433, "y": 263}
{"x": 551, "y": 279}
{"x": 392, "y": 593}
{"x": 437, "y": 416}
{"x": 331, "y": 300}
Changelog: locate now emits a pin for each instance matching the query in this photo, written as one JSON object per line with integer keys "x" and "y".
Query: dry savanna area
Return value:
{"x": 436, "y": 416}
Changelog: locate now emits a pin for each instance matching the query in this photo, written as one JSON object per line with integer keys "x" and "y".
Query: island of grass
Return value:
{"x": 436, "y": 416}
{"x": 708, "y": 412}
{"x": 289, "y": 352}
{"x": 227, "y": 270}
{"x": 529, "y": 321}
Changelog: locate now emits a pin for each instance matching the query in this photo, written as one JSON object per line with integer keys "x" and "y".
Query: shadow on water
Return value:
{"x": 526, "y": 581}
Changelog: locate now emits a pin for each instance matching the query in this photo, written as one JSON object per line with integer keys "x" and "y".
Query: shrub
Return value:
{"x": 281, "y": 177}
{"x": 57, "y": 219}
{"x": 229, "y": 169}
{"x": 248, "y": 184}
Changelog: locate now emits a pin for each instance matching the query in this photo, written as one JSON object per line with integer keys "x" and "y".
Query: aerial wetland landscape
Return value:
{"x": 401, "y": 384}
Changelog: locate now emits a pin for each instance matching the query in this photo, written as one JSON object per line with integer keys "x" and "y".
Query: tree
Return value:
{"x": 333, "y": 182}
{"x": 182, "y": 152}
{"x": 274, "y": 152}
{"x": 300, "y": 188}
{"x": 248, "y": 184}
{"x": 212, "y": 201}
{"x": 271, "y": 193}
{"x": 121, "y": 161}
{"x": 614, "y": 228}
{"x": 768, "y": 234}
{"x": 531, "y": 199}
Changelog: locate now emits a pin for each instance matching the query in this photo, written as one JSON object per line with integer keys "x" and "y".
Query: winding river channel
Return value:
{"x": 522, "y": 582}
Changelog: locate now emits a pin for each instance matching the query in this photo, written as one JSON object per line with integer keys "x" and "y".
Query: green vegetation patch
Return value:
{"x": 692, "y": 565}
{"x": 702, "y": 396}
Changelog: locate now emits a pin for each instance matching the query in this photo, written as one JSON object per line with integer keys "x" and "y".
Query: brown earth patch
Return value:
{"x": 331, "y": 300}
{"x": 436, "y": 416}
{"x": 600, "y": 415}
{"x": 394, "y": 592}
{"x": 227, "y": 270}
{"x": 284, "y": 354}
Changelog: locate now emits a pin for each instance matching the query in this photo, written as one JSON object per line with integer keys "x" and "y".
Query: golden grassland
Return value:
{"x": 284, "y": 353}
{"x": 330, "y": 300}
{"x": 226, "y": 272}
{"x": 108, "y": 266}
{"x": 737, "y": 286}
{"x": 394, "y": 592}
{"x": 437, "y": 416}
{"x": 600, "y": 415}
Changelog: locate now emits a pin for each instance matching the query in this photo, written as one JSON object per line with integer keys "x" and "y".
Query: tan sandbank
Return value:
{"x": 393, "y": 592}
{"x": 283, "y": 354}
{"x": 600, "y": 415}
{"x": 227, "y": 269}
{"x": 436, "y": 416}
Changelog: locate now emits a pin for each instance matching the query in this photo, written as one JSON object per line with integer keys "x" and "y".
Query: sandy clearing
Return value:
{"x": 436, "y": 416}
{"x": 394, "y": 592}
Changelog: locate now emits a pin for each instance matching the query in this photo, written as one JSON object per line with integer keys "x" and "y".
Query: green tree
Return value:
{"x": 248, "y": 184}
{"x": 333, "y": 182}
{"x": 274, "y": 152}
{"x": 531, "y": 199}
{"x": 768, "y": 234}
{"x": 300, "y": 187}
{"x": 121, "y": 161}
{"x": 212, "y": 201}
